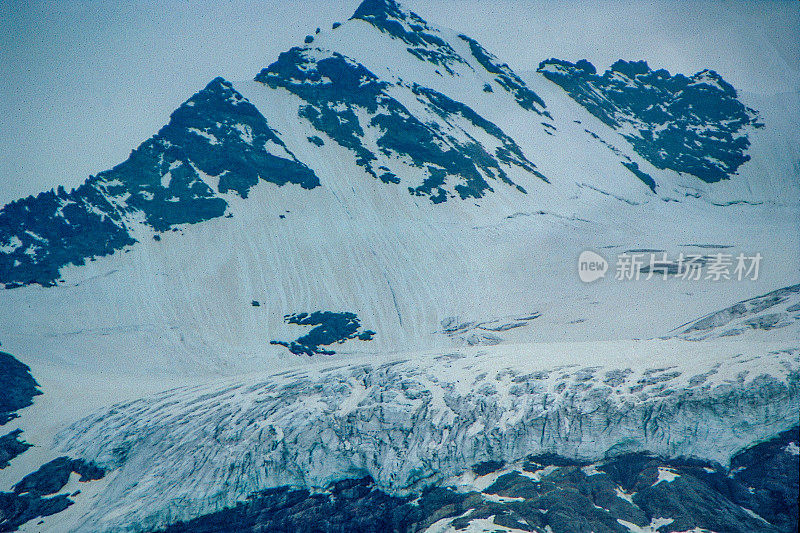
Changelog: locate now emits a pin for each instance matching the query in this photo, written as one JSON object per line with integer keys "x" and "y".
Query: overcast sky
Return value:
{"x": 82, "y": 83}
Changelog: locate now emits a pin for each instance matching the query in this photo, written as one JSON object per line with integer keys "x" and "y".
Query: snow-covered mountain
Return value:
{"x": 422, "y": 184}
{"x": 394, "y": 201}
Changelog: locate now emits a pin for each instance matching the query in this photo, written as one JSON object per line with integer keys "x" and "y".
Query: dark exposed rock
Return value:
{"x": 31, "y": 497}
{"x": 506, "y": 78}
{"x": 694, "y": 125}
{"x": 331, "y": 328}
{"x": 509, "y": 153}
{"x": 313, "y": 139}
{"x": 43, "y": 233}
{"x": 769, "y": 471}
{"x": 389, "y": 18}
{"x": 17, "y": 385}
{"x": 337, "y": 89}
{"x": 646, "y": 178}
{"x": 17, "y": 509}
{"x": 347, "y": 506}
{"x": 216, "y": 133}
{"x": 11, "y": 446}
{"x": 487, "y": 467}
{"x": 51, "y": 477}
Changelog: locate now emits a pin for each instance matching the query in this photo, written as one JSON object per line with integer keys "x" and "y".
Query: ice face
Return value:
{"x": 413, "y": 421}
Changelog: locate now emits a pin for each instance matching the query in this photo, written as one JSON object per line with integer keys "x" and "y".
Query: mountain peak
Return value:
{"x": 390, "y": 17}
{"x": 379, "y": 9}
{"x": 630, "y": 68}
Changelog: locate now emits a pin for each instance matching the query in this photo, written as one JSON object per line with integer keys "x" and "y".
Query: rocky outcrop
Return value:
{"x": 693, "y": 124}
{"x": 774, "y": 310}
{"x": 11, "y": 446}
{"x": 36, "y": 494}
{"x": 216, "y": 142}
{"x": 18, "y": 386}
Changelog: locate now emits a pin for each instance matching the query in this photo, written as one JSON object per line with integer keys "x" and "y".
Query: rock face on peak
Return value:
{"x": 379, "y": 10}
{"x": 427, "y": 44}
{"x": 215, "y": 143}
{"x": 506, "y": 78}
{"x": 424, "y": 42}
{"x": 336, "y": 90}
{"x": 695, "y": 125}
{"x": 226, "y": 137}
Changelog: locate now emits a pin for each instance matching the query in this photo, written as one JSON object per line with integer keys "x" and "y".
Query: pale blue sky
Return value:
{"x": 82, "y": 83}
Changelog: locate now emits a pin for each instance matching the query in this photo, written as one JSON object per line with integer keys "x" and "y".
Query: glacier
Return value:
{"x": 413, "y": 421}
